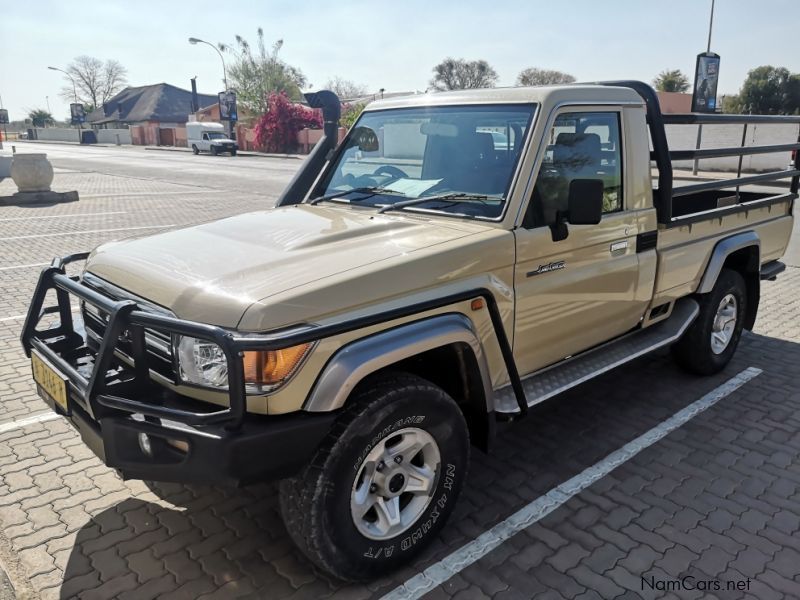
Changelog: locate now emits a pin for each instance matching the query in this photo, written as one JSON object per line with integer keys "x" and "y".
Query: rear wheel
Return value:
{"x": 195, "y": 149}
{"x": 383, "y": 483}
{"x": 710, "y": 342}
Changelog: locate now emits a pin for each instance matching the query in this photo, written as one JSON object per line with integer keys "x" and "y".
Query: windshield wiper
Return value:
{"x": 370, "y": 191}
{"x": 454, "y": 198}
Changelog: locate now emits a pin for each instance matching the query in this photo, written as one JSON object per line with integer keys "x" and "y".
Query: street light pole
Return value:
{"x": 74, "y": 93}
{"x": 710, "y": 27}
{"x": 195, "y": 41}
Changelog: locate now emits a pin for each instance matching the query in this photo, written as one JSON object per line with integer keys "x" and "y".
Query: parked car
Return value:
{"x": 209, "y": 137}
{"x": 413, "y": 286}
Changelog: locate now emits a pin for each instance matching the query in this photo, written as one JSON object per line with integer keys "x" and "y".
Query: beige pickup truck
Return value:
{"x": 458, "y": 258}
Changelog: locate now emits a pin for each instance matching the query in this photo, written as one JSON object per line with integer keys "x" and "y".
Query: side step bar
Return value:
{"x": 567, "y": 374}
{"x": 772, "y": 269}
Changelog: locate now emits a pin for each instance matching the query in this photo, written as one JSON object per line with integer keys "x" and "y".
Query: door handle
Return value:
{"x": 617, "y": 246}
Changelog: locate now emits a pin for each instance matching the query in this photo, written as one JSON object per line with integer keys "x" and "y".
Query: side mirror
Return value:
{"x": 365, "y": 138}
{"x": 585, "y": 201}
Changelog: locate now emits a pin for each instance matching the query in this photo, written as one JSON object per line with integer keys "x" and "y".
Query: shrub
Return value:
{"x": 350, "y": 113}
{"x": 276, "y": 130}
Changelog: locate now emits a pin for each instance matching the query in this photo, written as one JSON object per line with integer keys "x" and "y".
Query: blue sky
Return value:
{"x": 386, "y": 44}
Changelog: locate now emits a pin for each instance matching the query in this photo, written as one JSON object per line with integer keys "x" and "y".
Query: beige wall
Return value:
{"x": 675, "y": 102}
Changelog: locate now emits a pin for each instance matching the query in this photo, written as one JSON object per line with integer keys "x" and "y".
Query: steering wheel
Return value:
{"x": 392, "y": 171}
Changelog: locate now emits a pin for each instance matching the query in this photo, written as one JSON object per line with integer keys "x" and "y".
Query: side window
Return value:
{"x": 205, "y": 137}
{"x": 579, "y": 146}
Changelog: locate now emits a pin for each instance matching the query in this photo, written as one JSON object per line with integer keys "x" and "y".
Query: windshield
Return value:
{"x": 216, "y": 135}
{"x": 460, "y": 157}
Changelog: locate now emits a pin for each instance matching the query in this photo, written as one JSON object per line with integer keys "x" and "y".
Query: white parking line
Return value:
{"x": 23, "y": 266}
{"x": 12, "y": 318}
{"x": 42, "y": 235}
{"x": 443, "y": 570}
{"x": 39, "y": 418}
{"x": 73, "y": 216}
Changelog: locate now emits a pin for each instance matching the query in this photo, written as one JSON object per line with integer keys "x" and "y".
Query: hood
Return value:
{"x": 213, "y": 272}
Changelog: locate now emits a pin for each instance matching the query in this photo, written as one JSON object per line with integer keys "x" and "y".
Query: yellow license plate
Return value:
{"x": 50, "y": 381}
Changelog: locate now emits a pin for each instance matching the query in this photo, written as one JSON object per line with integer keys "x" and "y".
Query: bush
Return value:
{"x": 276, "y": 130}
{"x": 350, "y": 113}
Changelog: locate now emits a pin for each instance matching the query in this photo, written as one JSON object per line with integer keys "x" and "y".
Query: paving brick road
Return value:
{"x": 717, "y": 500}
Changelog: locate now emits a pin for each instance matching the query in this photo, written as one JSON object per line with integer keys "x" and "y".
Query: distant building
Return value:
{"x": 160, "y": 104}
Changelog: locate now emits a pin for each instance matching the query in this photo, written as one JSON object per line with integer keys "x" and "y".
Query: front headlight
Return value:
{"x": 203, "y": 363}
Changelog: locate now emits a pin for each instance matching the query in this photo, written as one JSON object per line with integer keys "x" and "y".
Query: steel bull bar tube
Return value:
{"x": 125, "y": 316}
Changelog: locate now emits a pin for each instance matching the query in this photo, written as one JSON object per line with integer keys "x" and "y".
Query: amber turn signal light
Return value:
{"x": 270, "y": 367}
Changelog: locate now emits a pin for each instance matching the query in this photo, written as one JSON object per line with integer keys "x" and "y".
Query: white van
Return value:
{"x": 209, "y": 137}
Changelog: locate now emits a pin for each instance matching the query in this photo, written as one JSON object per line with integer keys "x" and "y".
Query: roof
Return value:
{"x": 515, "y": 95}
{"x": 158, "y": 102}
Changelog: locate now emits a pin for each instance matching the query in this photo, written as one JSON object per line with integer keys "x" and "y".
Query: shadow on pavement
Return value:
{"x": 234, "y": 543}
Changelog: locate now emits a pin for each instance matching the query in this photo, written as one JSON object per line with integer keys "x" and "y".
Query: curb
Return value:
{"x": 238, "y": 153}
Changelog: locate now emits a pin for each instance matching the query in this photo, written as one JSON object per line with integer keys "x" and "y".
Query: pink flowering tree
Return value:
{"x": 276, "y": 130}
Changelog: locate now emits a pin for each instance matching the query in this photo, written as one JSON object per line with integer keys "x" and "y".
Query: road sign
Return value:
{"x": 706, "y": 76}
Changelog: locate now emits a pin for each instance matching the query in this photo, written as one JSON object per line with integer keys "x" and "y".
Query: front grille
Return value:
{"x": 158, "y": 343}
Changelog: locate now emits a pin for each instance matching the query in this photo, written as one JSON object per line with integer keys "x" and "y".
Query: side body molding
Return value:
{"x": 721, "y": 252}
{"x": 360, "y": 358}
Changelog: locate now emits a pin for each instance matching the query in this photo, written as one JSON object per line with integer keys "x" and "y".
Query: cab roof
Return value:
{"x": 554, "y": 94}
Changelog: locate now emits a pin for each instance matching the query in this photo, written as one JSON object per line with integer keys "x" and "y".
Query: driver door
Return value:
{"x": 581, "y": 291}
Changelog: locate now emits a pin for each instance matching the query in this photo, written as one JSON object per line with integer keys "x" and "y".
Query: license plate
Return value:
{"x": 51, "y": 383}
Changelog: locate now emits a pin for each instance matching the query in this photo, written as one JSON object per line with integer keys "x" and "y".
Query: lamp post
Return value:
{"x": 74, "y": 93}
{"x": 194, "y": 41}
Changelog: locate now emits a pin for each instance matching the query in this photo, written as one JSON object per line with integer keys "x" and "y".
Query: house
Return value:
{"x": 156, "y": 114}
{"x": 161, "y": 103}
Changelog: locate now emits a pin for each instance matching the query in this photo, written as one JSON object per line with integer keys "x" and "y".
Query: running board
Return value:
{"x": 567, "y": 374}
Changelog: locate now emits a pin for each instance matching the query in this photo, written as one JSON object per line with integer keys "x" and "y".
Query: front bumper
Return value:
{"x": 111, "y": 402}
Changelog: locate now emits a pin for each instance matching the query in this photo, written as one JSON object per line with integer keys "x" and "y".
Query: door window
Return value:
{"x": 583, "y": 145}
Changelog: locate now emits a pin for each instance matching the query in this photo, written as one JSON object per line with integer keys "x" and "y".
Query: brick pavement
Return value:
{"x": 718, "y": 499}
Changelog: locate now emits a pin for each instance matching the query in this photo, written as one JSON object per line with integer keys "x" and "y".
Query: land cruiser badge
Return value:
{"x": 553, "y": 266}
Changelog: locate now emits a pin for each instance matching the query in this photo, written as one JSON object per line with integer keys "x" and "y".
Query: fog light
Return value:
{"x": 144, "y": 444}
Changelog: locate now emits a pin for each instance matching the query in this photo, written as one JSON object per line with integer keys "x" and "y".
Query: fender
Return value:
{"x": 722, "y": 251}
{"x": 365, "y": 356}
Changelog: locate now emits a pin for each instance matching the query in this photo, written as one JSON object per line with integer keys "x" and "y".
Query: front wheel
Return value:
{"x": 710, "y": 342}
{"x": 233, "y": 152}
{"x": 384, "y": 481}
{"x": 214, "y": 150}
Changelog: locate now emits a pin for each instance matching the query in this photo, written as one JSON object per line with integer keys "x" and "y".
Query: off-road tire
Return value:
{"x": 195, "y": 149}
{"x": 316, "y": 503}
{"x": 693, "y": 352}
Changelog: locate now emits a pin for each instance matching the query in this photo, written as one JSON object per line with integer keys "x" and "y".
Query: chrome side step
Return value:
{"x": 567, "y": 374}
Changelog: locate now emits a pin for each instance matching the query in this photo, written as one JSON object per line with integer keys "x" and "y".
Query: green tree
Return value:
{"x": 671, "y": 81}
{"x": 534, "y": 76}
{"x": 460, "y": 74}
{"x": 255, "y": 74}
{"x": 769, "y": 90}
{"x": 40, "y": 117}
{"x": 350, "y": 114}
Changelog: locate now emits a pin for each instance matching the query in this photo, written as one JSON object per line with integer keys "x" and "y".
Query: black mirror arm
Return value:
{"x": 558, "y": 228}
